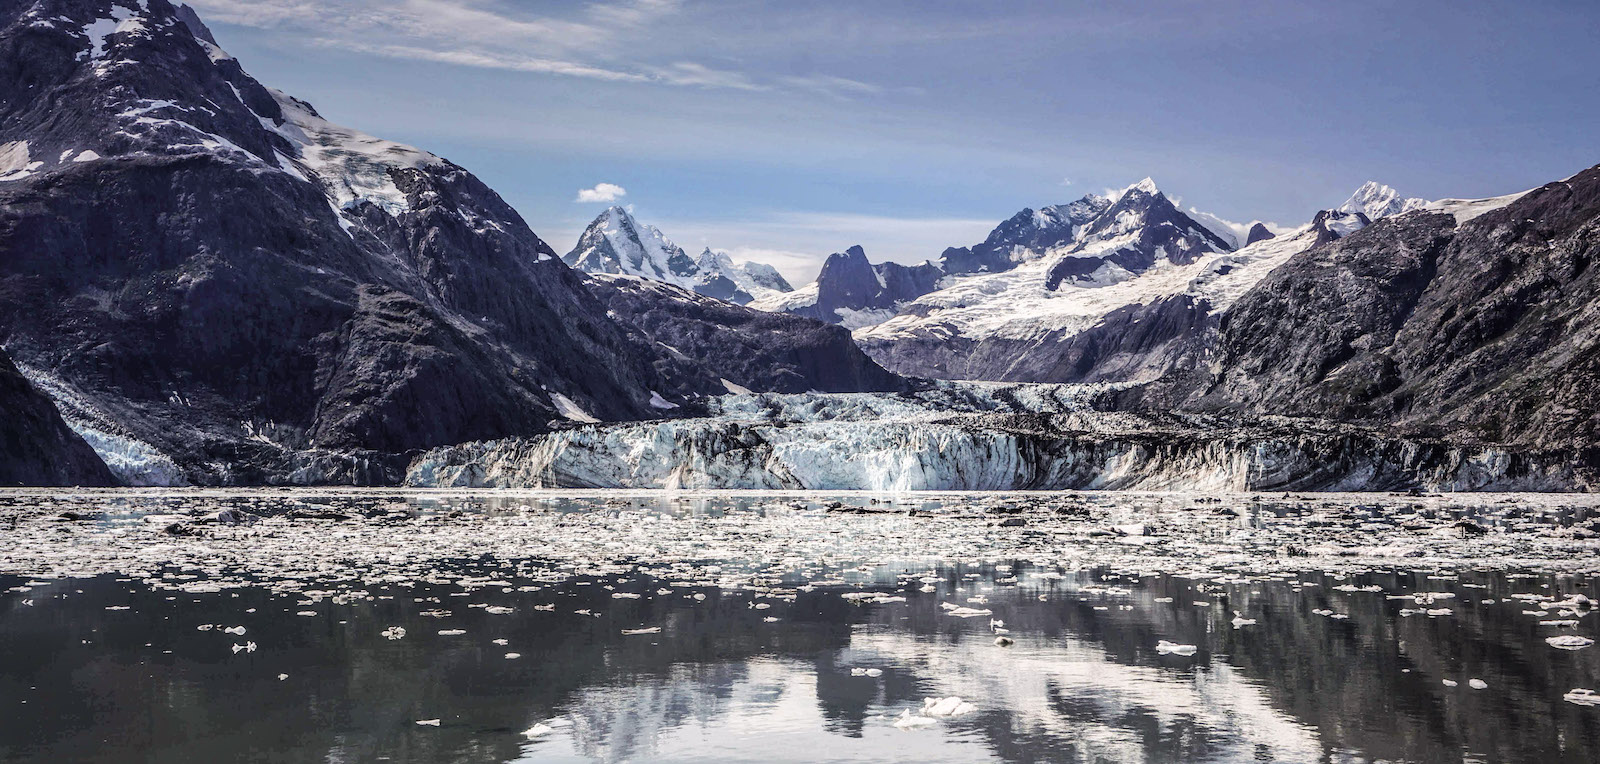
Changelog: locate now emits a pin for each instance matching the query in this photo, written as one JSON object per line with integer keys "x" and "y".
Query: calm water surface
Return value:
{"x": 622, "y": 664}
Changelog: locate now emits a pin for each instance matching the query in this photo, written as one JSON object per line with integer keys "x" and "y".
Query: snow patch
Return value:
{"x": 570, "y": 410}
{"x": 656, "y": 401}
{"x": 16, "y": 162}
{"x": 351, "y": 166}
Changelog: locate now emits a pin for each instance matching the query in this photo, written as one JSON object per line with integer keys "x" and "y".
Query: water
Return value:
{"x": 770, "y": 611}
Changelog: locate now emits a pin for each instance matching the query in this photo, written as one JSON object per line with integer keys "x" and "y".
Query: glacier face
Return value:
{"x": 964, "y": 436}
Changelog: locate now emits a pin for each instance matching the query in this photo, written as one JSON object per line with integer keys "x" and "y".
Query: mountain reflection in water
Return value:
{"x": 111, "y": 670}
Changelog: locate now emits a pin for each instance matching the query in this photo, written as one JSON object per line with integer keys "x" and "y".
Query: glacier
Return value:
{"x": 977, "y": 436}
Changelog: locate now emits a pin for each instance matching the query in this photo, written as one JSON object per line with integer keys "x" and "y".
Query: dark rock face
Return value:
{"x": 1331, "y": 225}
{"x": 851, "y": 282}
{"x": 756, "y": 350}
{"x": 1258, "y": 232}
{"x": 1483, "y": 331}
{"x": 36, "y": 446}
{"x": 230, "y": 279}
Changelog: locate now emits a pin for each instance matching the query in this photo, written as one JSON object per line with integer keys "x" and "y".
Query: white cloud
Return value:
{"x": 602, "y": 192}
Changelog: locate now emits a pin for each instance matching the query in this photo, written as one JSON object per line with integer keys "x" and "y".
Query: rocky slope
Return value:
{"x": 1474, "y": 318}
{"x": 36, "y": 446}
{"x": 745, "y": 348}
{"x": 616, "y": 243}
{"x": 257, "y": 294}
{"x": 853, "y": 292}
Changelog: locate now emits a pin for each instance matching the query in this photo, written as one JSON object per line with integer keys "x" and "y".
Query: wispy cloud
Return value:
{"x": 608, "y": 41}
{"x": 483, "y": 60}
{"x": 830, "y": 85}
{"x": 602, "y": 192}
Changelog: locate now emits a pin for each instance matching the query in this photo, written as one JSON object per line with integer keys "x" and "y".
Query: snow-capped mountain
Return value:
{"x": 1094, "y": 239}
{"x": 206, "y": 274}
{"x": 1025, "y": 236}
{"x": 1376, "y": 200}
{"x": 1124, "y": 300}
{"x": 616, "y": 243}
{"x": 1476, "y": 323}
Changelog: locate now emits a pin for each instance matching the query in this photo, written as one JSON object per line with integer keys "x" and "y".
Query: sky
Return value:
{"x": 783, "y": 132}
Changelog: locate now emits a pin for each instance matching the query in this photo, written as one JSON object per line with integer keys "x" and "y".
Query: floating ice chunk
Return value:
{"x": 248, "y": 647}
{"x": 394, "y": 632}
{"x": 306, "y": 613}
{"x": 1172, "y": 648}
{"x": 1451, "y": 683}
{"x": 968, "y": 612}
{"x": 499, "y": 610}
{"x": 282, "y": 677}
{"x": 910, "y": 721}
{"x": 1477, "y": 684}
{"x": 502, "y": 642}
{"x": 513, "y": 656}
{"x": 624, "y": 596}
{"x": 1239, "y": 621}
{"x": 951, "y": 706}
{"x": 451, "y": 632}
{"x": 1582, "y": 697}
{"x": 427, "y": 722}
{"x": 649, "y": 630}
{"x": 1569, "y": 642}
{"x": 235, "y": 630}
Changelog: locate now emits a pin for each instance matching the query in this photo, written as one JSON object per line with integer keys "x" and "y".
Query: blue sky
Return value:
{"x": 786, "y": 131}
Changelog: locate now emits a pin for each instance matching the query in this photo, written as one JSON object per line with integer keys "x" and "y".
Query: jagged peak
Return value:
{"x": 1376, "y": 200}
{"x": 1146, "y": 186}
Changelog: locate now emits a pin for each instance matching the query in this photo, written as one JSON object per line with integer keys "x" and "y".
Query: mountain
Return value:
{"x": 1127, "y": 250}
{"x": 219, "y": 277}
{"x": 36, "y": 446}
{"x": 1376, "y": 200}
{"x": 1474, "y": 319}
{"x": 747, "y": 349}
{"x": 1123, "y": 232}
{"x": 1024, "y": 236}
{"x": 853, "y": 292}
{"x": 616, "y": 243}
